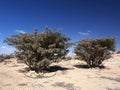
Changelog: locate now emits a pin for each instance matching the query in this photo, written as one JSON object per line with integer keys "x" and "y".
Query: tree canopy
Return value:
{"x": 39, "y": 50}
{"x": 95, "y": 51}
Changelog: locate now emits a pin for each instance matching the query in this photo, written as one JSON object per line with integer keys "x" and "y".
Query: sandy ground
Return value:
{"x": 73, "y": 75}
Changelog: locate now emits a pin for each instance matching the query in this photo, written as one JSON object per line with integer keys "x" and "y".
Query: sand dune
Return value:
{"x": 73, "y": 75}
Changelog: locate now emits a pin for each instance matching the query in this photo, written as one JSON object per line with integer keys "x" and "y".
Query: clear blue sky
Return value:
{"x": 79, "y": 19}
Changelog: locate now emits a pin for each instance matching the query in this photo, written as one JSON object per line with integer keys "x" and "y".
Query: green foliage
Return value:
{"x": 39, "y": 50}
{"x": 95, "y": 51}
{"x": 19, "y": 55}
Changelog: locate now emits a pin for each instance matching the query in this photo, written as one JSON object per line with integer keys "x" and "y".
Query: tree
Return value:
{"x": 95, "y": 51}
{"x": 39, "y": 50}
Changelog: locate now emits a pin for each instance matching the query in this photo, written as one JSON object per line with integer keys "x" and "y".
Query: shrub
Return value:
{"x": 39, "y": 50}
{"x": 8, "y": 56}
{"x": 3, "y": 57}
{"x": 95, "y": 51}
{"x": 68, "y": 58}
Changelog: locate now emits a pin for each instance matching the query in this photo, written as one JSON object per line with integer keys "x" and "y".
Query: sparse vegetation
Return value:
{"x": 95, "y": 51}
{"x": 68, "y": 58}
{"x": 3, "y": 57}
{"x": 39, "y": 50}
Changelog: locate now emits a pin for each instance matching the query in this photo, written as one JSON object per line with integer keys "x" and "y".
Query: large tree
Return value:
{"x": 95, "y": 51}
{"x": 39, "y": 50}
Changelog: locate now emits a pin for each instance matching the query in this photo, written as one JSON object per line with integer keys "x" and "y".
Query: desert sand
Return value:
{"x": 73, "y": 75}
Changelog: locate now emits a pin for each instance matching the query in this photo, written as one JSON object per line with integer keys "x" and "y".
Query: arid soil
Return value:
{"x": 71, "y": 75}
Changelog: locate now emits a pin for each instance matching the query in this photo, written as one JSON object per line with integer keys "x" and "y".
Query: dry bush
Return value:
{"x": 95, "y": 51}
{"x": 39, "y": 50}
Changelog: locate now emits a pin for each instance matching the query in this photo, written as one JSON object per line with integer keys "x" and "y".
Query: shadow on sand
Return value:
{"x": 84, "y": 66}
{"x": 50, "y": 69}
{"x": 43, "y": 73}
{"x": 56, "y": 68}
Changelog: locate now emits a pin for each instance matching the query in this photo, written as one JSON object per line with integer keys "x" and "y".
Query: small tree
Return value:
{"x": 95, "y": 51}
{"x": 39, "y": 50}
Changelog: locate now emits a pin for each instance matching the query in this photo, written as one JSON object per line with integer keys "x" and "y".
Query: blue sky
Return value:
{"x": 79, "y": 19}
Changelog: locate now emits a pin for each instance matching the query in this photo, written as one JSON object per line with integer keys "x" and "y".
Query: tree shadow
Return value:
{"x": 102, "y": 67}
{"x": 24, "y": 70}
{"x": 56, "y": 68}
{"x": 84, "y": 66}
{"x": 117, "y": 79}
{"x": 48, "y": 70}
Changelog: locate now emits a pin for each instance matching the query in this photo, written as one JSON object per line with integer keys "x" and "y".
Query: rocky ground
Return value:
{"x": 72, "y": 75}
